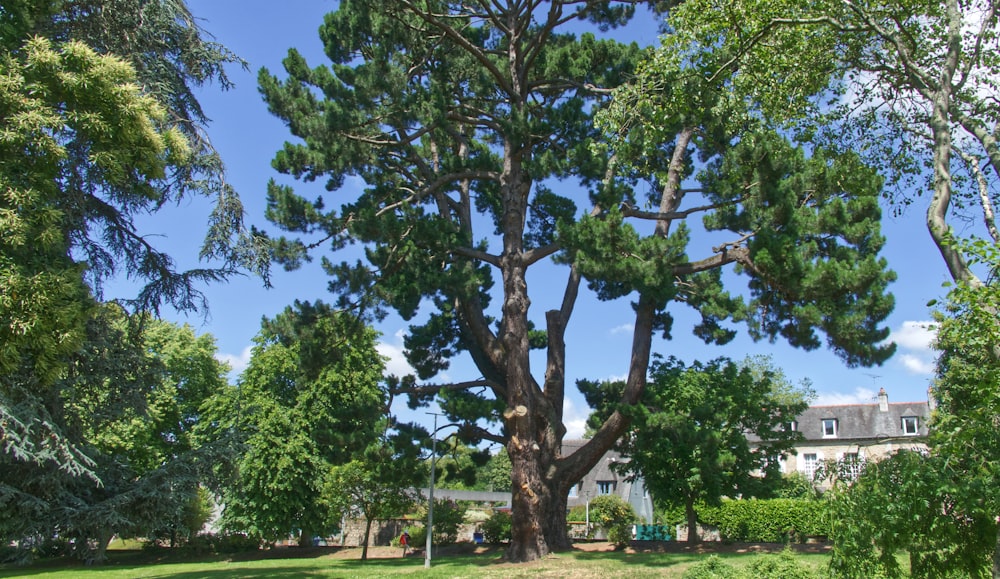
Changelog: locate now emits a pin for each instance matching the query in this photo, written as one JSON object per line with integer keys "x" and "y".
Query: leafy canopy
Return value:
{"x": 310, "y": 399}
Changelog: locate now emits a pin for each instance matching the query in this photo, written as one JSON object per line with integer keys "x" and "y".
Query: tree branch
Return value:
{"x": 437, "y": 388}
{"x": 725, "y": 256}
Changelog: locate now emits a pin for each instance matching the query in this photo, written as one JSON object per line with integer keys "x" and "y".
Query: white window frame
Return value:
{"x": 810, "y": 464}
{"x": 605, "y": 487}
{"x": 834, "y": 427}
{"x": 574, "y": 491}
{"x": 914, "y": 420}
{"x": 852, "y": 465}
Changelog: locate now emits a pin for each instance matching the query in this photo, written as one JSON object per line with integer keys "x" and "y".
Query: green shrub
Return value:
{"x": 771, "y": 521}
{"x": 577, "y": 513}
{"x": 796, "y": 485}
{"x": 615, "y": 516}
{"x": 780, "y": 566}
{"x": 418, "y": 537}
{"x": 448, "y": 517}
{"x": 235, "y": 543}
{"x": 497, "y": 528}
{"x": 712, "y": 568}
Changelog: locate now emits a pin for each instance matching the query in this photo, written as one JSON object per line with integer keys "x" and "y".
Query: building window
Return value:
{"x": 851, "y": 465}
{"x": 605, "y": 487}
{"x": 791, "y": 426}
{"x": 910, "y": 425}
{"x": 574, "y": 491}
{"x": 829, "y": 428}
{"x": 810, "y": 463}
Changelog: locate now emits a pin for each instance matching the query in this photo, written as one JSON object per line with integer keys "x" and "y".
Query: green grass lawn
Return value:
{"x": 481, "y": 563}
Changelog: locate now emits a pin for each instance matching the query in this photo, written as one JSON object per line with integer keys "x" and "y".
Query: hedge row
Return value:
{"x": 769, "y": 521}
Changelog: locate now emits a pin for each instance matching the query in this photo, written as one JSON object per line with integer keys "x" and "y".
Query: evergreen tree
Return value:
{"x": 127, "y": 402}
{"x": 462, "y": 136}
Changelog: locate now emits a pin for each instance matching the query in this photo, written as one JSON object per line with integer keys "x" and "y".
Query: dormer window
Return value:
{"x": 791, "y": 426}
{"x": 910, "y": 425}
{"x": 829, "y": 428}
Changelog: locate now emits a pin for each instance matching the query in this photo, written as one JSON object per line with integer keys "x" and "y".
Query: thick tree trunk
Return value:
{"x": 530, "y": 504}
{"x": 692, "y": 521}
{"x": 305, "y": 538}
{"x": 554, "y": 522}
{"x": 101, "y": 542}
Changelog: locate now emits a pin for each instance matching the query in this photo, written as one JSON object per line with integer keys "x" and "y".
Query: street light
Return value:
{"x": 430, "y": 490}
{"x": 430, "y": 494}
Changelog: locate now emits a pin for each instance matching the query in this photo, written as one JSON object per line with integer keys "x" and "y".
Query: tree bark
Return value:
{"x": 305, "y": 538}
{"x": 364, "y": 542}
{"x": 692, "y": 521}
{"x": 100, "y": 553}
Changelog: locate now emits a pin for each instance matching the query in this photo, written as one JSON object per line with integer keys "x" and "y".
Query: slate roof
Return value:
{"x": 863, "y": 421}
{"x": 602, "y": 470}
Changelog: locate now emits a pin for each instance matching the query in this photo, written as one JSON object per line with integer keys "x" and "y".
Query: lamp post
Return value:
{"x": 430, "y": 494}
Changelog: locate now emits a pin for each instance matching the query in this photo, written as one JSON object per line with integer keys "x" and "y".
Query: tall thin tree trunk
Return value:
{"x": 364, "y": 542}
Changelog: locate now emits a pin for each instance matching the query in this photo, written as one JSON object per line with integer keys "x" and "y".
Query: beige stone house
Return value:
{"x": 856, "y": 433}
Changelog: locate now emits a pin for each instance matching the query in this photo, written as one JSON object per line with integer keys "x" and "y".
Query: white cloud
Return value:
{"x": 622, "y": 329}
{"x": 860, "y": 395}
{"x": 396, "y": 363}
{"x": 914, "y": 339}
{"x": 237, "y": 362}
{"x": 917, "y": 364}
{"x": 915, "y": 335}
{"x": 575, "y": 419}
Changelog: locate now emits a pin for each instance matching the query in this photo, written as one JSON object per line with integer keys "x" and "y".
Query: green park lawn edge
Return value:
{"x": 484, "y": 563}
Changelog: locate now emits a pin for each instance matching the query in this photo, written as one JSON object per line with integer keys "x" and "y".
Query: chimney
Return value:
{"x": 883, "y": 400}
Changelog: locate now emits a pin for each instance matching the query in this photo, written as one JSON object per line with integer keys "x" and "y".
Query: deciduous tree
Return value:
{"x": 462, "y": 135}
{"x": 689, "y": 435}
{"x": 374, "y": 486}
{"x": 100, "y": 126}
{"x": 311, "y": 398}
{"x": 909, "y": 85}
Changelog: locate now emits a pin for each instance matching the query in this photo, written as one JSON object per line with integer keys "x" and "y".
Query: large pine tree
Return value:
{"x": 471, "y": 127}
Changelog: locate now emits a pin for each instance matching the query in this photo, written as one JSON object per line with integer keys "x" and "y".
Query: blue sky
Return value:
{"x": 247, "y": 136}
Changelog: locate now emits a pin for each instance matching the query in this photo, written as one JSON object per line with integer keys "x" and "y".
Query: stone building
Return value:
{"x": 855, "y": 433}
{"x": 603, "y": 480}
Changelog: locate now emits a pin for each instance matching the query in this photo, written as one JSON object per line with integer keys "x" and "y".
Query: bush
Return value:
{"x": 712, "y": 568}
{"x": 418, "y": 537}
{"x": 796, "y": 485}
{"x": 497, "y": 528}
{"x": 236, "y": 543}
{"x": 771, "y": 521}
{"x": 577, "y": 513}
{"x": 448, "y": 517}
{"x": 781, "y": 566}
{"x": 615, "y": 516}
